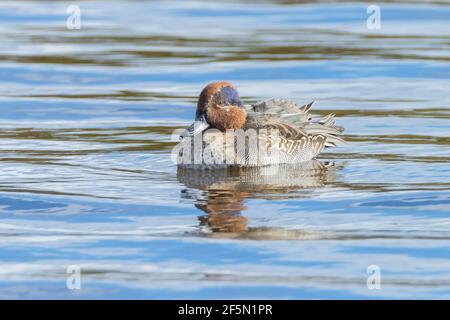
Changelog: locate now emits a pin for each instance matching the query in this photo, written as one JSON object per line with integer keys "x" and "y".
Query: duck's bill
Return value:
{"x": 198, "y": 126}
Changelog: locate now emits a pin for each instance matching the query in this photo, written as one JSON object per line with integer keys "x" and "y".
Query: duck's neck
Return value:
{"x": 224, "y": 118}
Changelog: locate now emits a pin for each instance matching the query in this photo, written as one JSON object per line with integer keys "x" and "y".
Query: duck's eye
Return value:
{"x": 227, "y": 96}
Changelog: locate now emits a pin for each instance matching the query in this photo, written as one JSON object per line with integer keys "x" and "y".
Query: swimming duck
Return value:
{"x": 280, "y": 125}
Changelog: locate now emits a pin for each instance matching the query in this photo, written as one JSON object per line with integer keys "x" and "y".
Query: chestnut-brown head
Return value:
{"x": 219, "y": 107}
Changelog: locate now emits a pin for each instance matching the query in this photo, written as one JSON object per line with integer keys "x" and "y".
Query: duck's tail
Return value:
{"x": 328, "y": 128}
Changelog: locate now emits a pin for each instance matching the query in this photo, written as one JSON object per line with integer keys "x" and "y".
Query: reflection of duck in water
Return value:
{"x": 225, "y": 191}
{"x": 282, "y": 129}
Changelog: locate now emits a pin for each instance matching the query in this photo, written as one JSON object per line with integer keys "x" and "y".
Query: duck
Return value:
{"x": 228, "y": 133}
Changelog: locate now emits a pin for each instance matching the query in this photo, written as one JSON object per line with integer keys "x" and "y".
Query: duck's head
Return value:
{"x": 219, "y": 107}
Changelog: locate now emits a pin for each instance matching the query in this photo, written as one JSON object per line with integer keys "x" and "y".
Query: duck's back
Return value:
{"x": 300, "y": 139}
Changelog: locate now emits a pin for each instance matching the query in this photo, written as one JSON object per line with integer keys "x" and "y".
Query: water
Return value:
{"x": 86, "y": 118}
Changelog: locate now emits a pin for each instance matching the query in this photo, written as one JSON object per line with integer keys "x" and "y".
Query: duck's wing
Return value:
{"x": 326, "y": 127}
{"x": 291, "y": 140}
{"x": 293, "y": 122}
{"x": 283, "y": 108}
{"x": 257, "y": 120}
